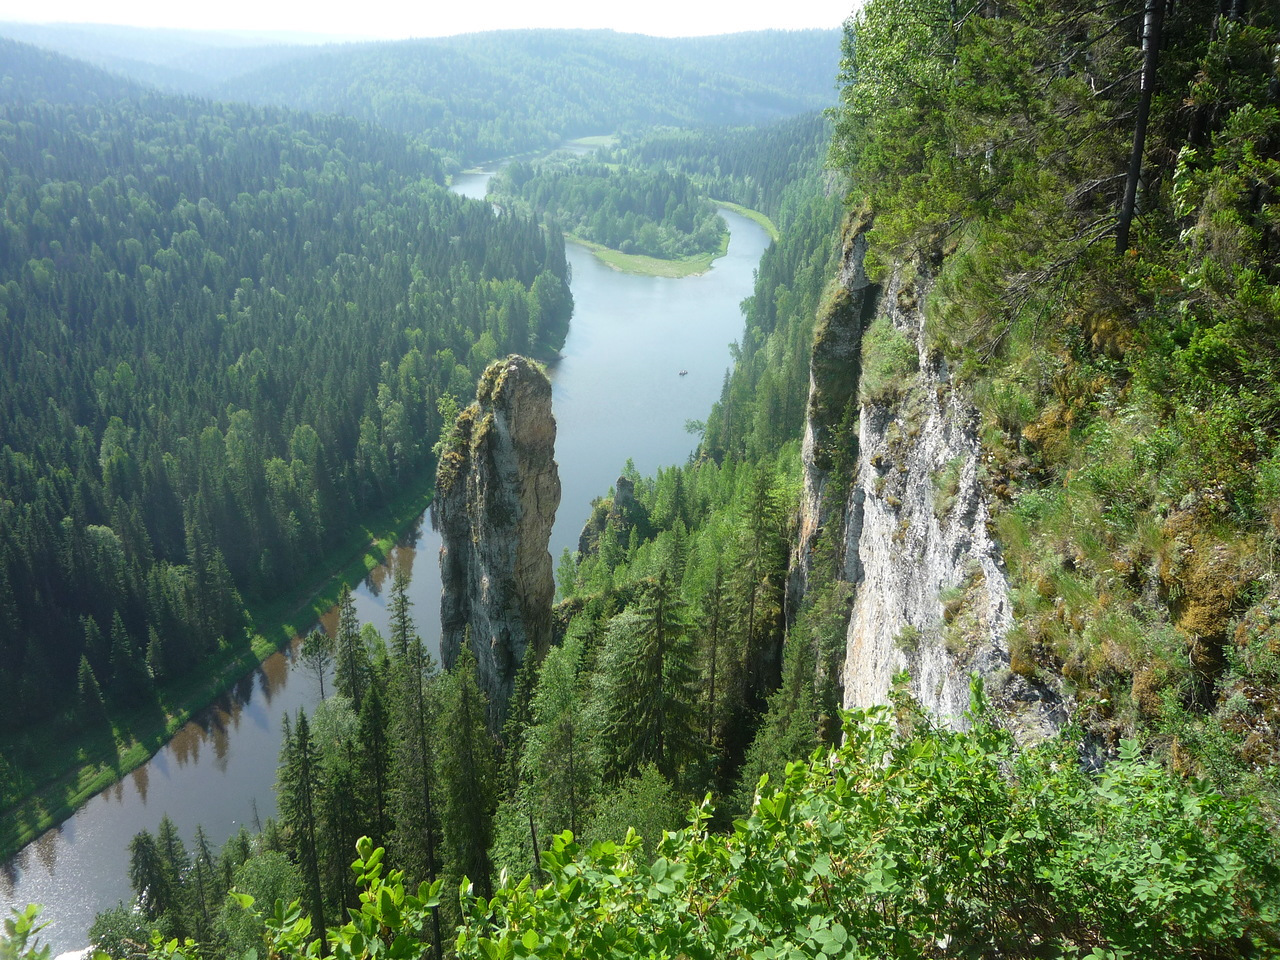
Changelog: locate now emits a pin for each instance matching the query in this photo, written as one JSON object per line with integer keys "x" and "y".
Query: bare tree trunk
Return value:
{"x": 1151, "y": 25}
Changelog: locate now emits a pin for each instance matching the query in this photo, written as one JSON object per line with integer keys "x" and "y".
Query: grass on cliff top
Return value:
{"x": 61, "y": 771}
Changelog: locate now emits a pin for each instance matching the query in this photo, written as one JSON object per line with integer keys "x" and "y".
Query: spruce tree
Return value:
{"x": 299, "y": 783}
{"x": 415, "y": 839}
{"x": 466, "y": 769}
{"x": 176, "y": 863}
{"x": 647, "y": 688}
{"x": 375, "y": 761}
{"x": 351, "y": 656}
{"x": 149, "y": 877}
{"x": 130, "y": 680}
{"x": 204, "y": 893}
{"x": 92, "y": 709}
{"x": 557, "y": 764}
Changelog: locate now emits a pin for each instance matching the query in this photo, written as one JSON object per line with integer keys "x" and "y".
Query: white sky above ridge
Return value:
{"x": 395, "y": 19}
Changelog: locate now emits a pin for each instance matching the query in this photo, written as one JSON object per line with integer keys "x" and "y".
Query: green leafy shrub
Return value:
{"x": 931, "y": 844}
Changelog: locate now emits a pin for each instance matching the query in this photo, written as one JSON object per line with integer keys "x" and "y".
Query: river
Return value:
{"x": 617, "y": 393}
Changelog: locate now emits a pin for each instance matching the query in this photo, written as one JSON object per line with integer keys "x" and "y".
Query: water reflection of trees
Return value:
{"x": 142, "y": 780}
{"x": 47, "y": 848}
{"x": 220, "y": 730}
{"x": 401, "y": 556}
{"x": 273, "y": 675}
{"x": 214, "y": 725}
{"x": 10, "y": 870}
{"x": 185, "y": 745}
{"x": 243, "y": 689}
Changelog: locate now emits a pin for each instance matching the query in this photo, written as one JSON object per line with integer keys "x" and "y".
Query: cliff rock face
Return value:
{"x": 930, "y": 591}
{"x": 497, "y": 489}
{"x": 833, "y": 385}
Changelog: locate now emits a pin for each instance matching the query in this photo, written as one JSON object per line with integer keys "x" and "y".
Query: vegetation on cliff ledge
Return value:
{"x": 1092, "y": 193}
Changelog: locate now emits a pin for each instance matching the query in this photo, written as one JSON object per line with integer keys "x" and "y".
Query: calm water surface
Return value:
{"x": 617, "y": 393}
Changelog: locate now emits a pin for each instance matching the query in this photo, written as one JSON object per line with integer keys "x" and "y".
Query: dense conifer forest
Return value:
{"x": 486, "y": 95}
{"x": 493, "y": 94}
{"x": 1080, "y": 200}
{"x": 630, "y": 209}
{"x": 226, "y": 334}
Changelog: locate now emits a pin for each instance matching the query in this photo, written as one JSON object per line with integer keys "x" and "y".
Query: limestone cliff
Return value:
{"x": 497, "y": 490}
{"x": 930, "y": 591}
{"x": 833, "y": 386}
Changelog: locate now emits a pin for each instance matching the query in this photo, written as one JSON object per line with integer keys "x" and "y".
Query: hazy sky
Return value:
{"x": 398, "y": 19}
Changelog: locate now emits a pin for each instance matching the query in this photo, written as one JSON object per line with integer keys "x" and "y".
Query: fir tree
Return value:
{"x": 351, "y": 656}
{"x": 647, "y": 694}
{"x": 299, "y": 783}
{"x": 466, "y": 768}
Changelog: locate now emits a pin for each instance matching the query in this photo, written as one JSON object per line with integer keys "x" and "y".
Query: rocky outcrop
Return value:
{"x": 931, "y": 596}
{"x": 497, "y": 490}
{"x": 618, "y": 514}
{"x": 833, "y": 386}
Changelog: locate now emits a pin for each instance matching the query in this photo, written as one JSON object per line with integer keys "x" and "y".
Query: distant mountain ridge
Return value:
{"x": 484, "y": 95}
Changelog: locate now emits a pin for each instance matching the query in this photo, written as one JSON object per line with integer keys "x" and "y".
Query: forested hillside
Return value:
{"x": 31, "y": 74}
{"x": 752, "y": 166}
{"x": 631, "y": 209}
{"x": 486, "y": 95}
{"x": 489, "y": 95}
{"x": 1066, "y": 216}
{"x": 190, "y": 62}
{"x": 226, "y": 332}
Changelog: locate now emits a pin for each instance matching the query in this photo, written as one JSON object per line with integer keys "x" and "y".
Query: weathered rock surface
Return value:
{"x": 622, "y": 512}
{"x": 497, "y": 490}
{"x": 930, "y": 592}
{"x": 833, "y": 384}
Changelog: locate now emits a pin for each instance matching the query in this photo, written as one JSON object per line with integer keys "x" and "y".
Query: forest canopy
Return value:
{"x": 226, "y": 333}
{"x": 627, "y": 208}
